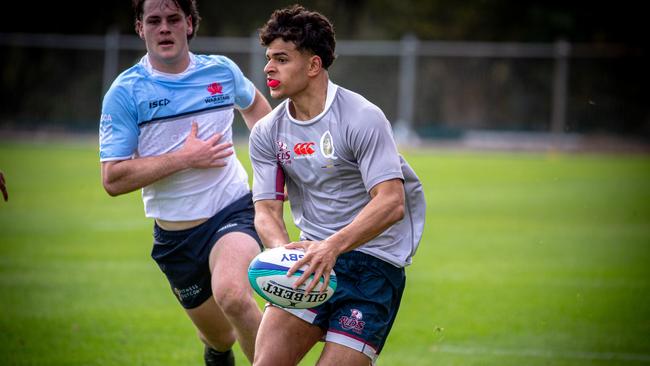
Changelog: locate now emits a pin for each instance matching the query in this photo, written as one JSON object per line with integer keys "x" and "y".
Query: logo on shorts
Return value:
{"x": 227, "y": 226}
{"x": 353, "y": 322}
{"x": 188, "y": 292}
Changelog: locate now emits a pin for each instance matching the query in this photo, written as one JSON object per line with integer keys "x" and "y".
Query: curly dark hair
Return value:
{"x": 187, "y": 6}
{"x": 308, "y": 30}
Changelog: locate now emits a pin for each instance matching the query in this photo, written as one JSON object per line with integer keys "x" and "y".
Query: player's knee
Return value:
{"x": 262, "y": 360}
{"x": 233, "y": 301}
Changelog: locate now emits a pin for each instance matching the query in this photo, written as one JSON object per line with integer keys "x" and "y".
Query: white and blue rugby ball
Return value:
{"x": 267, "y": 274}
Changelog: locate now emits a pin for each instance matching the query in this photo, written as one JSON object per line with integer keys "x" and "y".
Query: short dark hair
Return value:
{"x": 187, "y": 6}
{"x": 308, "y": 30}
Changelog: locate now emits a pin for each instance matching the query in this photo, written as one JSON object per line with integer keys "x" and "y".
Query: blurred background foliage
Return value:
{"x": 482, "y": 20}
{"x": 62, "y": 88}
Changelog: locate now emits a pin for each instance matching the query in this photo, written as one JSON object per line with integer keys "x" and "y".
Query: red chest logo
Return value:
{"x": 215, "y": 88}
{"x": 304, "y": 148}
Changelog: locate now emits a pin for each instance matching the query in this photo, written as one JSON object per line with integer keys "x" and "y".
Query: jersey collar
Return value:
{"x": 153, "y": 72}
{"x": 331, "y": 93}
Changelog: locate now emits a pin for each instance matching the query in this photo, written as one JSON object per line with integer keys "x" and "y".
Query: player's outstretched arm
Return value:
{"x": 257, "y": 110}
{"x": 269, "y": 223}
{"x": 385, "y": 208}
{"x": 119, "y": 177}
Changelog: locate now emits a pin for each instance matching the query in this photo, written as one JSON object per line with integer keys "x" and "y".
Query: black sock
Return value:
{"x": 213, "y": 357}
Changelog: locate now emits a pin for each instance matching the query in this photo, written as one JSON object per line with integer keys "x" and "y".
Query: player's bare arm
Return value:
{"x": 269, "y": 223}
{"x": 385, "y": 208}
{"x": 258, "y": 109}
{"x": 125, "y": 176}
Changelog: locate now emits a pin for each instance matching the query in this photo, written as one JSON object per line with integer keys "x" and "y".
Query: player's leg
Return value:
{"x": 215, "y": 331}
{"x": 179, "y": 256}
{"x": 283, "y": 339}
{"x": 336, "y": 354}
{"x": 229, "y": 262}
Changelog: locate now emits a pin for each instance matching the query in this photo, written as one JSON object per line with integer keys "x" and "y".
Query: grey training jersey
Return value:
{"x": 329, "y": 164}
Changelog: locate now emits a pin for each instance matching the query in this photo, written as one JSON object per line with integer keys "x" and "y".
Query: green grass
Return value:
{"x": 527, "y": 259}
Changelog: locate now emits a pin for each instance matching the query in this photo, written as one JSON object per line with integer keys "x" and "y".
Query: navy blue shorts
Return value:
{"x": 183, "y": 255}
{"x": 364, "y": 306}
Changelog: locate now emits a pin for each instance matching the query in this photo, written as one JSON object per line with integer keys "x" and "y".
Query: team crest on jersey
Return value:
{"x": 327, "y": 146}
{"x": 216, "y": 96}
{"x": 353, "y": 322}
{"x": 215, "y": 88}
{"x": 283, "y": 155}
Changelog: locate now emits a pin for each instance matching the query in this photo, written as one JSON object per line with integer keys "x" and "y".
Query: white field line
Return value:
{"x": 538, "y": 353}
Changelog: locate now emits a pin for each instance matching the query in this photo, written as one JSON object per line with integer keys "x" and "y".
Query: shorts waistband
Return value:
{"x": 359, "y": 257}
{"x": 237, "y": 205}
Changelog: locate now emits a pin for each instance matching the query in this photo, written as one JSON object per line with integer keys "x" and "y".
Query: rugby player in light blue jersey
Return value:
{"x": 359, "y": 206}
{"x": 166, "y": 128}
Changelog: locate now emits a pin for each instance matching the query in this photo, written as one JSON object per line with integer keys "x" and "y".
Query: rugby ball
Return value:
{"x": 267, "y": 274}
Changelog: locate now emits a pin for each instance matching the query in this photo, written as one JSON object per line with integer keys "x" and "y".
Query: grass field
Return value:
{"x": 527, "y": 259}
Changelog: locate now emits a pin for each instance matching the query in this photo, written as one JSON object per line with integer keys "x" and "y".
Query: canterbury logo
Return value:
{"x": 304, "y": 148}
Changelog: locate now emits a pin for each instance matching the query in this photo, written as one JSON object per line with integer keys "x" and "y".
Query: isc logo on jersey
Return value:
{"x": 304, "y": 150}
{"x": 267, "y": 275}
{"x": 158, "y": 103}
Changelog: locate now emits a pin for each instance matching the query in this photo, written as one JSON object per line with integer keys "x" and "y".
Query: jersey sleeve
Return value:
{"x": 118, "y": 128}
{"x": 244, "y": 88}
{"x": 268, "y": 176}
{"x": 372, "y": 143}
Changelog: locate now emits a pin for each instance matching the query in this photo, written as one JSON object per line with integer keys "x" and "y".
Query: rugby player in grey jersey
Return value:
{"x": 359, "y": 206}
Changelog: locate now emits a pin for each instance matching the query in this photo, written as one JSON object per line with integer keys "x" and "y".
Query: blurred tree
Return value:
{"x": 507, "y": 20}
{"x": 61, "y": 86}
{"x": 481, "y": 20}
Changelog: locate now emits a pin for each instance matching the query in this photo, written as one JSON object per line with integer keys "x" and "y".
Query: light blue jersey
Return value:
{"x": 149, "y": 113}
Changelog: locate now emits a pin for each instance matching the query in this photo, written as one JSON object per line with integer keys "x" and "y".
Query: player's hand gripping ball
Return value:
{"x": 267, "y": 274}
